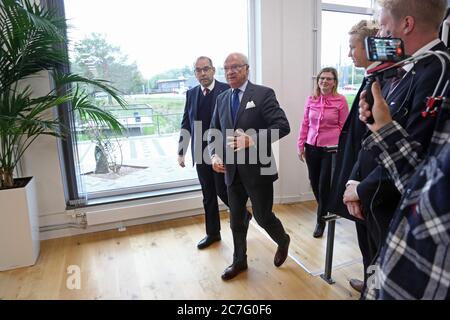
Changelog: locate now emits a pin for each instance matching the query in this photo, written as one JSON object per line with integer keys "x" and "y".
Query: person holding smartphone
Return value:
{"x": 324, "y": 116}
{"x": 413, "y": 263}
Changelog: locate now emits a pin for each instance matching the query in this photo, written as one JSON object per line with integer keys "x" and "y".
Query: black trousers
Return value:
{"x": 319, "y": 164}
{"x": 261, "y": 197}
{"x": 213, "y": 185}
{"x": 367, "y": 246}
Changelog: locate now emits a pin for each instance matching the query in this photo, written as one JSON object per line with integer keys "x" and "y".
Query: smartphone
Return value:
{"x": 385, "y": 49}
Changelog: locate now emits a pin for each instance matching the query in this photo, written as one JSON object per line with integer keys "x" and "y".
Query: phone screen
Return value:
{"x": 384, "y": 49}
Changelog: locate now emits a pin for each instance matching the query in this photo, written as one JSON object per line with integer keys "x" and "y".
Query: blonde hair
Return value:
{"x": 427, "y": 13}
{"x": 317, "y": 92}
{"x": 364, "y": 28}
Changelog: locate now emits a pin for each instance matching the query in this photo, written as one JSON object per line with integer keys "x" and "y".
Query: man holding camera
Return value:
{"x": 413, "y": 263}
{"x": 370, "y": 195}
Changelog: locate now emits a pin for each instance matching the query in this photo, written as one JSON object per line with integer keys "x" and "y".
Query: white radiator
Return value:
{"x": 97, "y": 216}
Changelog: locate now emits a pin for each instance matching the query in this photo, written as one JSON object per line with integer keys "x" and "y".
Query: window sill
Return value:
{"x": 139, "y": 196}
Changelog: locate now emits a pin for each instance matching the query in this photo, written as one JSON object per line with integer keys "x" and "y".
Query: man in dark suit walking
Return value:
{"x": 248, "y": 119}
{"x": 370, "y": 194}
{"x": 199, "y": 108}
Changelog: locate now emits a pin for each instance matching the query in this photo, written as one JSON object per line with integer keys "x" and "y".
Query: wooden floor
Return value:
{"x": 300, "y": 221}
{"x": 161, "y": 261}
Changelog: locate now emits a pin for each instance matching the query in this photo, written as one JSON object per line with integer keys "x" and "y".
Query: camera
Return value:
{"x": 385, "y": 49}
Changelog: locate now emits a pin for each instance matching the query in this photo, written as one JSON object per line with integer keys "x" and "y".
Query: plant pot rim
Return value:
{"x": 18, "y": 183}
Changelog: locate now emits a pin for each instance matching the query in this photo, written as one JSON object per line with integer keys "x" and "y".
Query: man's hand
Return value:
{"x": 351, "y": 200}
{"x": 240, "y": 141}
{"x": 217, "y": 164}
{"x": 380, "y": 110}
{"x": 355, "y": 209}
{"x": 181, "y": 161}
{"x": 301, "y": 155}
{"x": 350, "y": 193}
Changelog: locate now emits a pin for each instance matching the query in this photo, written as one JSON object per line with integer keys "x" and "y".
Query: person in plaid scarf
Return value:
{"x": 414, "y": 262}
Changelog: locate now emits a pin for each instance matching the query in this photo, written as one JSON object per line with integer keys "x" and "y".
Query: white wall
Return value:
{"x": 285, "y": 64}
{"x": 42, "y": 162}
{"x": 287, "y": 49}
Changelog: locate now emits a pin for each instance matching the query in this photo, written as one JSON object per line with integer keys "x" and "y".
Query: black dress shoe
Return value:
{"x": 357, "y": 284}
{"x": 233, "y": 270}
{"x": 318, "y": 232}
{"x": 207, "y": 241}
{"x": 282, "y": 253}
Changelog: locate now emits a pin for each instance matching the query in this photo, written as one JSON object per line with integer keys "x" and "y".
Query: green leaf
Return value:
{"x": 33, "y": 40}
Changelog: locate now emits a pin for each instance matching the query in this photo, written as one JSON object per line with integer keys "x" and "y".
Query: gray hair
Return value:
{"x": 204, "y": 58}
{"x": 242, "y": 56}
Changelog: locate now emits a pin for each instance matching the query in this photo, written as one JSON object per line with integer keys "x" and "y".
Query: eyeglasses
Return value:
{"x": 204, "y": 69}
{"x": 326, "y": 78}
{"x": 234, "y": 68}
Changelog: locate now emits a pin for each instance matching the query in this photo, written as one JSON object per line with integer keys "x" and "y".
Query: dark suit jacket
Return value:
{"x": 190, "y": 116}
{"x": 349, "y": 145}
{"x": 266, "y": 115}
{"x": 377, "y": 192}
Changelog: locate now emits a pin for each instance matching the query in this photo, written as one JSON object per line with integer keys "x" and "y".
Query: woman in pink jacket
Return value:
{"x": 324, "y": 117}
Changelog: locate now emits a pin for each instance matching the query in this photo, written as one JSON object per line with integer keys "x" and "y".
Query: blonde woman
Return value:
{"x": 350, "y": 144}
{"x": 324, "y": 117}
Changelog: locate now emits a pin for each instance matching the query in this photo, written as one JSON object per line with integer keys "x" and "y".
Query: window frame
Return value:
{"x": 348, "y": 9}
{"x": 74, "y": 196}
{"x": 319, "y": 7}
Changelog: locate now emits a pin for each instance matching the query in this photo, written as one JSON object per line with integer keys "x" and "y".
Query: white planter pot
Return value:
{"x": 19, "y": 227}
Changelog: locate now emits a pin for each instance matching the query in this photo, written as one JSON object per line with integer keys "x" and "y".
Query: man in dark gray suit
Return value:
{"x": 200, "y": 102}
{"x": 247, "y": 119}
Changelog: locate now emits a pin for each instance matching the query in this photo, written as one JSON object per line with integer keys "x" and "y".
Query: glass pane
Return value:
{"x": 354, "y": 3}
{"x": 146, "y": 49}
{"x": 335, "y": 50}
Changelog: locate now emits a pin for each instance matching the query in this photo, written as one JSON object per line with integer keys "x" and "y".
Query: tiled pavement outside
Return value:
{"x": 158, "y": 154}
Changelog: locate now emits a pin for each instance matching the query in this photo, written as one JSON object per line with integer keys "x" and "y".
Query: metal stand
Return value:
{"x": 330, "y": 219}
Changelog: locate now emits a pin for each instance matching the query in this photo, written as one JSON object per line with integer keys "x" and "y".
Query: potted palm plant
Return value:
{"x": 32, "y": 41}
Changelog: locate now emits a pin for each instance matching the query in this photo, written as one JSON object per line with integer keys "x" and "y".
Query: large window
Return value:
{"x": 338, "y": 16}
{"x": 146, "y": 49}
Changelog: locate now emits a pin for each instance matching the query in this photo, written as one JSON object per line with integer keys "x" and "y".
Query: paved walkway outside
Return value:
{"x": 155, "y": 155}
